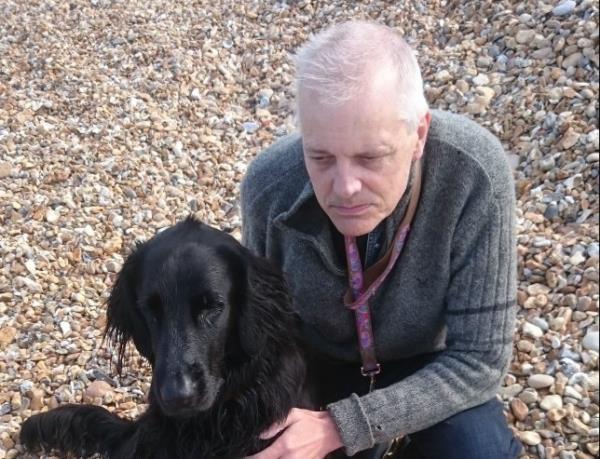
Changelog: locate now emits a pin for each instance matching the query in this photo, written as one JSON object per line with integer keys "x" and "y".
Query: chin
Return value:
{"x": 354, "y": 228}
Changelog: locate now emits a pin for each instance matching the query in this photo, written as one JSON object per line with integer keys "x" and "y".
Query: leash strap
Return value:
{"x": 363, "y": 285}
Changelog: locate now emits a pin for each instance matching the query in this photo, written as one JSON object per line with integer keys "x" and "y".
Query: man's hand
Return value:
{"x": 307, "y": 435}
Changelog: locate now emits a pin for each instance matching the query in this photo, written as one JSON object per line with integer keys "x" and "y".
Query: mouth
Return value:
{"x": 351, "y": 211}
{"x": 185, "y": 408}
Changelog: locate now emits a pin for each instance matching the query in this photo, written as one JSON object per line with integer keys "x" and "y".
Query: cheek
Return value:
{"x": 387, "y": 187}
{"x": 321, "y": 180}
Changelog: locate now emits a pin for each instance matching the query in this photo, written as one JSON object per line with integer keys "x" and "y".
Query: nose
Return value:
{"x": 178, "y": 392}
{"x": 346, "y": 182}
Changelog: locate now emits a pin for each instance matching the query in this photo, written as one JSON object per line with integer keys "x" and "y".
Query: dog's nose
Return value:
{"x": 178, "y": 392}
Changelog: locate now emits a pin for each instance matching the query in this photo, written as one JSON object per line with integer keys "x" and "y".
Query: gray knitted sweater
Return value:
{"x": 452, "y": 290}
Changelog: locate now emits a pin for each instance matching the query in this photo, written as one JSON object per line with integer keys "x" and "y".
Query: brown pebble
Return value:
{"x": 519, "y": 409}
{"x": 97, "y": 389}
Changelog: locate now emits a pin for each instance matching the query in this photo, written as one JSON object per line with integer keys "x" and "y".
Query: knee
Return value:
{"x": 477, "y": 433}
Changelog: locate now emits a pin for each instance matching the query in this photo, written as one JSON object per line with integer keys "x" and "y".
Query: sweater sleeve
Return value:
{"x": 254, "y": 223}
{"x": 479, "y": 314}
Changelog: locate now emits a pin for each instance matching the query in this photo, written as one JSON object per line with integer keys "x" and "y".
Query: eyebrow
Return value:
{"x": 382, "y": 149}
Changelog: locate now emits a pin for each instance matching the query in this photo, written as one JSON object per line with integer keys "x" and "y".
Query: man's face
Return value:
{"x": 358, "y": 157}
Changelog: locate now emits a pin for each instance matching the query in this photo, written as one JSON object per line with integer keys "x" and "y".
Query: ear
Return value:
{"x": 267, "y": 313}
{"x": 124, "y": 321}
{"x": 422, "y": 130}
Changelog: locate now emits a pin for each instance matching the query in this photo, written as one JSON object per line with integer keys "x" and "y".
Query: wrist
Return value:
{"x": 332, "y": 434}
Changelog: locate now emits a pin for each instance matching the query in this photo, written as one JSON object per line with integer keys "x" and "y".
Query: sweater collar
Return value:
{"x": 308, "y": 220}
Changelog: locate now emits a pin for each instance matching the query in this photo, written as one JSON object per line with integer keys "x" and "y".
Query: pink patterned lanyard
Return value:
{"x": 360, "y": 296}
{"x": 360, "y": 305}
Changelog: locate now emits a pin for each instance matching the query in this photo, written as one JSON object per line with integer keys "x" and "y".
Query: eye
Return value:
{"x": 206, "y": 308}
{"x": 153, "y": 308}
{"x": 369, "y": 160}
{"x": 322, "y": 160}
{"x": 210, "y": 316}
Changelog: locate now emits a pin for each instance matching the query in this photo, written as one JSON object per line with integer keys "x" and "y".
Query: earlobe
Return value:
{"x": 123, "y": 321}
{"x": 266, "y": 302}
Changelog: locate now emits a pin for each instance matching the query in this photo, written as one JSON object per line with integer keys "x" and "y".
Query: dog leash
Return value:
{"x": 363, "y": 285}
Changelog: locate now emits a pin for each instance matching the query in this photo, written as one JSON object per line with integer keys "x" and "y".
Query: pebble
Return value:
{"x": 551, "y": 402}
{"x": 519, "y": 409}
{"x": 564, "y": 8}
{"x": 97, "y": 389}
{"x": 7, "y": 335}
{"x": 443, "y": 76}
{"x": 530, "y": 438}
{"x": 5, "y": 170}
{"x": 511, "y": 391}
{"x": 564, "y": 454}
{"x": 481, "y": 81}
{"x": 52, "y": 216}
{"x": 525, "y": 36}
{"x": 571, "y": 61}
{"x": 532, "y": 330}
{"x": 569, "y": 367}
{"x": 592, "y": 157}
{"x": 250, "y": 127}
{"x": 556, "y": 414}
{"x": 65, "y": 328}
{"x": 540, "y": 381}
{"x": 577, "y": 259}
{"x": 195, "y": 94}
{"x": 36, "y": 397}
{"x": 578, "y": 426}
{"x": 590, "y": 341}
{"x": 529, "y": 396}
{"x": 525, "y": 345}
{"x": 572, "y": 393}
{"x": 547, "y": 164}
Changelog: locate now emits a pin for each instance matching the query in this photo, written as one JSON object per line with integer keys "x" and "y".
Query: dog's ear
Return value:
{"x": 267, "y": 312}
{"x": 124, "y": 321}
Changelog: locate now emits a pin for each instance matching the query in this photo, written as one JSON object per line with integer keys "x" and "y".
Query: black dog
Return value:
{"x": 217, "y": 326}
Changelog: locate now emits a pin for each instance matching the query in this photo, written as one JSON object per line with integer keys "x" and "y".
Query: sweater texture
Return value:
{"x": 452, "y": 291}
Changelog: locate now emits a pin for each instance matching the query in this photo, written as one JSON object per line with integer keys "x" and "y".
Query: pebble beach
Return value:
{"x": 121, "y": 117}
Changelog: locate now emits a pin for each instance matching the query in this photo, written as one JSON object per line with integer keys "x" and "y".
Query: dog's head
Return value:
{"x": 198, "y": 306}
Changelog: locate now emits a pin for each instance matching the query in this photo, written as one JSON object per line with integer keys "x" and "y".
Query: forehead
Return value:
{"x": 350, "y": 129}
{"x": 185, "y": 267}
{"x": 367, "y": 120}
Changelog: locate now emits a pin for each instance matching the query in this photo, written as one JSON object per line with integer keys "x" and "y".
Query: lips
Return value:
{"x": 350, "y": 211}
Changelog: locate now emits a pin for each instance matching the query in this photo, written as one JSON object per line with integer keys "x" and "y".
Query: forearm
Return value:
{"x": 453, "y": 382}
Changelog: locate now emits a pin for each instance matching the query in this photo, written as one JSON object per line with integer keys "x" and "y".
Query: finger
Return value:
{"x": 277, "y": 428}
{"x": 273, "y": 430}
{"x": 272, "y": 452}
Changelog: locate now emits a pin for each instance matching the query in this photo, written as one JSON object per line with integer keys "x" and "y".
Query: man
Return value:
{"x": 442, "y": 310}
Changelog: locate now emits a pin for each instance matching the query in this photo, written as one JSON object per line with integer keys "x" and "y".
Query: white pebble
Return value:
{"x": 539, "y": 381}
{"x": 528, "y": 396}
{"x": 481, "y": 80}
{"x": 530, "y": 438}
{"x": 65, "y": 328}
{"x": 571, "y": 392}
{"x": 532, "y": 330}
{"x": 52, "y": 216}
{"x": 564, "y": 8}
{"x": 577, "y": 259}
{"x": 590, "y": 341}
{"x": 550, "y": 402}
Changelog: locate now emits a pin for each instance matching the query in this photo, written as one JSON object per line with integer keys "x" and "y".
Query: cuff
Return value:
{"x": 352, "y": 424}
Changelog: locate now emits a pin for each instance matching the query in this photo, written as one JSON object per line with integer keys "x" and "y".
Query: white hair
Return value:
{"x": 338, "y": 63}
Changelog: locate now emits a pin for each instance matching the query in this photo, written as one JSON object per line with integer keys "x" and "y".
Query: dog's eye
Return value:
{"x": 154, "y": 306}
{"x": 210, "y": 316}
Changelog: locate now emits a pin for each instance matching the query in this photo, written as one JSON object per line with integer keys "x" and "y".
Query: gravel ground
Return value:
{"x": 120, "y": 117}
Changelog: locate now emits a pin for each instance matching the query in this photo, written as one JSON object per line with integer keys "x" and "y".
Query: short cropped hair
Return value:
{"x": 337, "y": 63}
